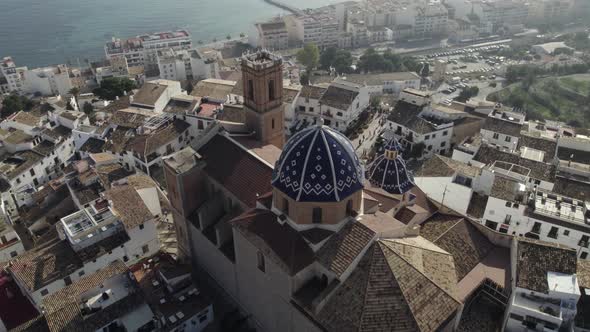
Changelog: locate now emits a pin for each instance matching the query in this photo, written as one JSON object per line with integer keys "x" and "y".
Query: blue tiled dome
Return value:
{"x": 318, "y": 164}
{"x": 389, "y": 171}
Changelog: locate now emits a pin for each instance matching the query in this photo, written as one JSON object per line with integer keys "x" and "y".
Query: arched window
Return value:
{"x": 271, "y": 90}
{"x": 316, "y": 216}
{"x": 251, "y": 90}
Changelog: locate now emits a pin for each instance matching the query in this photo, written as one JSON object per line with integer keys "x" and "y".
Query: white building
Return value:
{"x": 120, "y": 225}
{"x": 503, "y": 129}
{"x": 153, "y": 96}
{"x": 545, "y": 289}
{"x": 271, "y": 35}
{"x": 48, "y": 81}
{"x": 390, "y": 83}
{"x": 338, "y": 104}
{"x": 431, "y": 19}
{"x": 184, "y": 65}
{"x": 417, "y": 127}
{"x": 10, "y": 243}
{"x": 142, "y": 51}
{"x": 321, "y": 29}
{"x": 10, "y": 79}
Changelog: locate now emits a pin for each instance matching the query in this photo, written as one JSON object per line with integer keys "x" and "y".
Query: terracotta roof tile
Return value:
{"x": 344, "y": 247}
{"x": 477, "y": 205}
{"x": 459, "y": 238}
{"x": 129, "y": 206}
{"x": 536, "y": 258}
{"x": 236, "y": 169}
{"x": 546, "y": 145}
{"x": 282, "y": 243}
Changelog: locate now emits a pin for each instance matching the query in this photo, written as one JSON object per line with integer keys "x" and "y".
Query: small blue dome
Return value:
{"x": 318, "y": 164}
{"x": 389, "y": 171}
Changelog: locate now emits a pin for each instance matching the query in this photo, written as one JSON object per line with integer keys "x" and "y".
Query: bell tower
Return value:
{"x": 262, "y": 76}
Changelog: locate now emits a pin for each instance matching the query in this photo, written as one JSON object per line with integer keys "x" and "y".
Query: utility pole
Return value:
{"x": 443, "y": 197}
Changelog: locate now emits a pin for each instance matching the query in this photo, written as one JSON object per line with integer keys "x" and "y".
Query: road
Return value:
{"x": 363, "y": 146}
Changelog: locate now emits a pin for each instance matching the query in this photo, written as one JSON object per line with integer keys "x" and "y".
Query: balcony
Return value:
{"x": 541, "y": 308}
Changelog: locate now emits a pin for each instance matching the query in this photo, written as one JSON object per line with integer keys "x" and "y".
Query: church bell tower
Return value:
{"x": 262, "y": 76}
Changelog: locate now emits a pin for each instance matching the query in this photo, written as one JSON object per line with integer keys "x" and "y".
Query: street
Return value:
{"x": 365, "y": 141}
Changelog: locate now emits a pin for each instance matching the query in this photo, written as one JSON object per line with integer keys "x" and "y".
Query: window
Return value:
{"x": 508, "y": 204}
{"x": 553, "y": 232}
{"x": 35, "y": 182}
{"x": 125, "y": 258}
{"x": 433, "y": 136}
{"x": 566, "y": 232}
{"x": 311, "y": 109}
{"x": 427, "y": 137}
{"x": 430, "y": 148}
{"x": 145, "y": 249}
{"x": 537, "y": 182}
{"x": 537, "y": 228}
{"x": 13, "y": 254}
{"x": 260, "y": 264}
{"x": 44, "y": 292}
{"x": 339, "y": 113}
{"x": 68, "y": 280}
{"x": 517, "y": 317}
{"x": 273, "y": 123}
{"x": 32, "y": 171}
{"x": 202, "y": 318}
{"x": 507, "y": 219}
{"x": 349, "y": 210}
{"x": 200, "y": 124}
{"x": 271, "y": 90}
{"x": 251, "y": 90}
{"x": 443, "y": 144}
{"x": 316, "y": 217}
{"x": 508, "y": 139}
{"x": 491, "y": 224}
{"x": 81, "y": 273}
{"x": 496, "y": 135}
{"x": 445, "y": 133}
{"x": 584, "y": 255}
{"x": 17, "y": 181}
{"x": 584, "y": 241}
{"x": 141, "y": 226}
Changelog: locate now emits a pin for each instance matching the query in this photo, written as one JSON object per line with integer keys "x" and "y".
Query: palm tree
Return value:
{"x": 75, "y": 92}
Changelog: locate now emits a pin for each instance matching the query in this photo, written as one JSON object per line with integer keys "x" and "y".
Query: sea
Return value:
{"x": 45, "y": 32}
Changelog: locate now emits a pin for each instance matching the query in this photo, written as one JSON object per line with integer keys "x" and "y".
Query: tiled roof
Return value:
{"x": 504, "y": 189}
{"x": 93, "y": 145}
{"x": 392, "y": 289}
{"x": 583, "y": 273}
{"x": 216, "y": 89}
{"x": 282, "y": 243}
{"x": 149, "y": 94}
{"x": 546, "y": 145}
{"x": 127, "y": 119}
{"x": 37, "y": 324}
{"x": 572, "y": 188}
{"x": 539, "y": 170}
{"x": 344, "y": 247}
{"x": 129, "y": 206}
{"x": 312, "y": 91}
{"x": 407, "y": 115}
{"x": 111, "y": 173}
{"x": 536, "y": 258}
{"x": 477, "y": 205}
{"x": 441, "y": 166}
{"x": 57, "y": 132}
{"x": 26, "y": 118}
{"x": 26, "y": 160}
{"x": 44, "y": 148}
{"x": 405, "y": 215}
{"x": 39, "y": 267}
{"x": 338, "y": 97}
{"x": 579, "y": 156}
{"x": 62, "y": 308}
{"x": 145, "y": 145}
{"x": 501, "y": 126}
{"x": 236, "y": 169}
{"x": 460, "y": 238}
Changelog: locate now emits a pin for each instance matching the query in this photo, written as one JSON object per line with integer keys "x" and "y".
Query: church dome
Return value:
{"x": 389, "y": 171}
{"x": 318, "y": 164}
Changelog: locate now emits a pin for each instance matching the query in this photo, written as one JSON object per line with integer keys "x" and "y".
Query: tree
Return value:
{"x": 304, "y": 78}
{"x": 327, "y": 57}
{"x": 309, "y": 56}
{"x": 113, "y": 87}
{"x": 189, "y": 87}
{"x": 467, "y": 93}
{"x": 343, "y": 62}
{"x": 228, "y": 37}
{"x": 375, "y": 102}
{"x": 15, "y": 103}
{"x": 242, "y": 35}
{"x": 425, "y": 72}
{"x": 88, "y": 108}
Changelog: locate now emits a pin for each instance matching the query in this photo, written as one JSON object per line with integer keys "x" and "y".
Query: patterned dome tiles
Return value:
{"x": 318, "y": 165}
